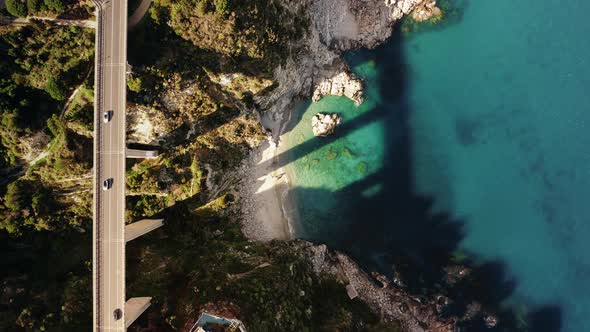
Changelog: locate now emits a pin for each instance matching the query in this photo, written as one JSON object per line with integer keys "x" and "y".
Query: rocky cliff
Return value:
{"x": 335, "y": 26}
{"x": 388, "y": 298}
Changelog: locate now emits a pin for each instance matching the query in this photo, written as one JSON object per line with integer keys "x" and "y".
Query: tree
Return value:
{"x": 16, "y": 8}
{"x": 14, "y": 196}
{"x": 41, "y": 202}
{"x": 55, "y": 90}
{"x": 222, "y": 7}
{"x": 57, "y": 6}
{"x": 135, "y": 84}
{"x": 33, "y": 6}
{"x": 55, "y": 125}
{"x": 76, "y": 309}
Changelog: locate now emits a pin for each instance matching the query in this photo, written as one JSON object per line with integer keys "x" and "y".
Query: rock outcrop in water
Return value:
{"x": 342, "y": 84}
{"x": 390, "y": 299}
{"x": 426, "y": 11}
{"x": 335, "y": 26}
{"x": 324, "y": 124}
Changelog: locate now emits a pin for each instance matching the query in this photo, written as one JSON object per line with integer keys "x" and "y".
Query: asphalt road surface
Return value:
{"x": 109, "y": 161}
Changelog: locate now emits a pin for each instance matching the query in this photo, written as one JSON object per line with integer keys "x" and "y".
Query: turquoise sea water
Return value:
{"x": 472, "y": 139}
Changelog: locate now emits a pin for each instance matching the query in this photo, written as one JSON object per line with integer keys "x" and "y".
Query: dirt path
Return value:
{"x": 8, "y": 20}
{"x": 19, "y": 172}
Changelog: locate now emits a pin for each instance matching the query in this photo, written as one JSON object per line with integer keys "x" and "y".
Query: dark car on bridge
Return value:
{"x": 107, "y": 116}
{"x": 117, "y": 314}
{"x": 107, "y": 184}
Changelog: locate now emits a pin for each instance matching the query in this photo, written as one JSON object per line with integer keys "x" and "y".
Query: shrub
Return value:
{"x": 57, "y": 6}
{"x": 16, "y": 8}
{"x": 32, "y": 6}
{"x": 14, "y": 196}
{"x": 55, "y": 90}
{"x": 135, "y": 84}
{"x": 222, "y": 7}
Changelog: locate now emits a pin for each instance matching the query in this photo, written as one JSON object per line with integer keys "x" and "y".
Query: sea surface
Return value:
{"x": 472, "y": 139}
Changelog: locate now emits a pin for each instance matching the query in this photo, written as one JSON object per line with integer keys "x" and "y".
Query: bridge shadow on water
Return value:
{"x": 386, "y": 225}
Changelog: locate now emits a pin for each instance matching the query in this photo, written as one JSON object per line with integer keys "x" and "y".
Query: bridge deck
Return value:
{"x": 109, "y": 162}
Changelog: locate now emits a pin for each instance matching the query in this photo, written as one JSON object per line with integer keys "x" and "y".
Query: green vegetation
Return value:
{"x": 46, "y": 282}
{"x": 49, "y": 8}
{"x": 57, "y": 6}
{"x": 16, "y": 8}
{"x": 42, "y": 61}
{"x": 200, "y": 260}
{"x": 134, "y": 84}
{"x": 55, "y": 90}
{"x": 253, "y": 33}
{"x": 211, "y": 266}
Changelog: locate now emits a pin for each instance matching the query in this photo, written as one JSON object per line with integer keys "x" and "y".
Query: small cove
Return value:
{"x": 471, "y": 140}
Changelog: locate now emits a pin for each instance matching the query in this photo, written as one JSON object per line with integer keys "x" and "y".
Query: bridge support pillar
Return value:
{"x": 141, "y": 154}
{"x": 139, "y": 228}
{"x": 134, "y": 307}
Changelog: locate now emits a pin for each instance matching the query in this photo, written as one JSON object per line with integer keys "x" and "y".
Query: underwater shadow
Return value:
{"x": 387, "y": 226}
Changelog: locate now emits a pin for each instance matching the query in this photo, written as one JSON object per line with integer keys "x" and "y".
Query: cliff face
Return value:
{"x": 388, "y": 298}
{"x": 335, "y": 26}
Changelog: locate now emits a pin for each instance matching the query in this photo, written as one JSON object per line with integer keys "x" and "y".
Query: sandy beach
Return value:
{"x": 264, "y": 193}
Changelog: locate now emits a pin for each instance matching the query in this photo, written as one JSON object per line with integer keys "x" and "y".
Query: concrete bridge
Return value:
{"x": 111, "y": 310}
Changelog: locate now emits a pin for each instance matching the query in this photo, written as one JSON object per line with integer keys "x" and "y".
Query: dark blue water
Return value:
{"x": 472, "y": 140}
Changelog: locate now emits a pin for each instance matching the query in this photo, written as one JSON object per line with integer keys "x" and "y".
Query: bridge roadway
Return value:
{"x": 109, "y": 162}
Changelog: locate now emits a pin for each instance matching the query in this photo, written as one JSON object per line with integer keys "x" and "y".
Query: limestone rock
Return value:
{"x": 342, "y": 84}
{"x": 426, "y": 312}
{"x": 335, "y": 26}
{"x": 425, "y": 11}
{"x": 324, "y": 124}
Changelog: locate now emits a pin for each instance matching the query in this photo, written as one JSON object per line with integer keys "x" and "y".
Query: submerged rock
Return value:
{"x": 490, "y": 320}
{"x": 342, "y": 84}
{"x": 324, "y": 124}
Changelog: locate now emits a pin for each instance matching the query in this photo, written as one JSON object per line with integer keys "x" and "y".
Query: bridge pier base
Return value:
{"x": 134, "y": 307}
{"x": 139, "y": 228}
{"x": 141, "y": 154}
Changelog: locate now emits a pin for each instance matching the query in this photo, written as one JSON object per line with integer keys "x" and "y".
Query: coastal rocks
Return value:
{"x": 426, "y": 11}
{"x": 490, "y": 320}
{"x": 342, "y": 84}
{"x": 335, "y": 26}
{"x": 390, "y": 302}
{"x": 324, "y": 124}
{"x": 425, "y": 312}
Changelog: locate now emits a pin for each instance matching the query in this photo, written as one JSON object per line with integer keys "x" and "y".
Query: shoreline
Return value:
{"x": 266, "y": 205}
{"x": 270, "y": 212}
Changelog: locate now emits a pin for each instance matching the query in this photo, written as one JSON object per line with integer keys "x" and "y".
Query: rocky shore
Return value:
{"x": 342, "y": 84}
{"x": 426, "y": 11}
{"x": 317, "y": 69}
{"x": 388, "y": 298}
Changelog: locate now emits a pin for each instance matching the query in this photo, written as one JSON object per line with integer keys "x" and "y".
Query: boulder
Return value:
{"x": 426, "y": 11}
{"x": 324, "y": 124}
{"x": 342, "y": 84}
